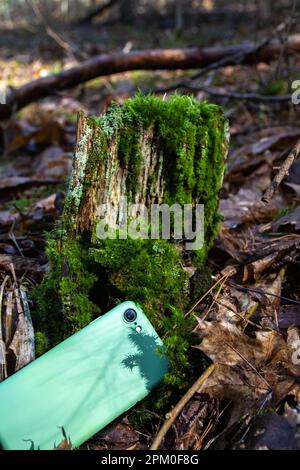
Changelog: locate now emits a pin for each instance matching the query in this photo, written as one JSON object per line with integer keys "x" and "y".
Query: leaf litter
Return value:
{"x": 248, "y": 324}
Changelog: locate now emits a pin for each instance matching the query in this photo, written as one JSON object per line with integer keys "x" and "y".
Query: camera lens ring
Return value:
{"x": 130, "y": 315}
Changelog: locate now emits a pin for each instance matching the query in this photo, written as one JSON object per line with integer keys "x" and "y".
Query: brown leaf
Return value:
{"x": 66, "y": 443}
{"x": 18, "y": 134}
{"x": 7, "y": 248}
{"x": 292, "y": 180}
{"x": 49, "y": 205}
{"x": 246, "y": 207}
{"x": 7, "y": 217}
{"x": 273, "y": 138}
{"x": 288, "y": 315}
{"x": 21, "y": 263}
{"x": 13, "y": 181}
{"x": 117, "y": 436}
{"x": 256, "y": 269}
{"x": 53, "y": 163}
{"x": 271, "y": 432}
{"x": 268, "y": 253}
{"x": 199, "y": 413}
{"x": 249, "y": 370}
{"x": 21, "y": 133}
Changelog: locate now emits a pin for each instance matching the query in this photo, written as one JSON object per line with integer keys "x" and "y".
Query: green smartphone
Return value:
{"x": 84, "y": 383}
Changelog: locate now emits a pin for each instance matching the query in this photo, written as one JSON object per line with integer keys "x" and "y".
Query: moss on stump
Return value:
{"x": 150, "y": 150}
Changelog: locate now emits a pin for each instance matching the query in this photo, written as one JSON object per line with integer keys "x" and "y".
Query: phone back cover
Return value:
{"x": 82, "y": 384}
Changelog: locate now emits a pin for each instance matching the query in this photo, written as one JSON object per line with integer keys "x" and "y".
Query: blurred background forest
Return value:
{"x": 241, "y": 55}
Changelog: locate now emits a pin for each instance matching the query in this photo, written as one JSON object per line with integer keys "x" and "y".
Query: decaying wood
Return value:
{"x": 168, "y": 59}
{"x": 106, "y": 184}
{"x": 3, "y": 367}
{"x": 22, "y": 345}
{"x": 126, "y": 172}
{"x": 17, "y": 347}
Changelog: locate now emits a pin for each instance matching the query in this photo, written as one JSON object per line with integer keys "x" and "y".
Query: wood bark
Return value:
{"x": 106, "y": 183}
{"x": 100, "y": 176}
{"x": 17, "y": 344}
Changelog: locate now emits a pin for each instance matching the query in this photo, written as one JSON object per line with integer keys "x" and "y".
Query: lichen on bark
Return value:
{"x": 151, "y": 150}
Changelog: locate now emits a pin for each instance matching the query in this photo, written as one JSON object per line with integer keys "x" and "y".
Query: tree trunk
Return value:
{"x": 107, "y": 181}
{"x": 149, "y": 151}
{"x": 143, "y": 177}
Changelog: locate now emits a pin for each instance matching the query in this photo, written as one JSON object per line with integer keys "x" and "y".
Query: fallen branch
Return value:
{"x": 179, "y": 407}
{"x": 223, "y": 62}
{"x": 107, "y": 64}
{"x": 282, "y": 172}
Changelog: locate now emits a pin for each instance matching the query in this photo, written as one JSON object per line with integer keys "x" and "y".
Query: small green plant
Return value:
{"x": 275, "y": 87}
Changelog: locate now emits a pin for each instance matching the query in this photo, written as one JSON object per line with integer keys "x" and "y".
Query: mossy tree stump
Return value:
{"x": 150, "y": 150}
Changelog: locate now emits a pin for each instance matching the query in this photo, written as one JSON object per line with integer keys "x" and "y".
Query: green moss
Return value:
{"x": 62, "y": 304}
{"x": 192, "y": 135}
{"x": 41, "y": 343}
{"x": 191, "y": 139}
{"x": 149, "y": 272}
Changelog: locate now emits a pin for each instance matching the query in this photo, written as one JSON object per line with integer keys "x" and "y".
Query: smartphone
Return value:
{"x": 82, "y": 384}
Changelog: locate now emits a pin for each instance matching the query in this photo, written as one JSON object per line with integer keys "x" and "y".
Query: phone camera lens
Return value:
{"x": 130, "y": 315}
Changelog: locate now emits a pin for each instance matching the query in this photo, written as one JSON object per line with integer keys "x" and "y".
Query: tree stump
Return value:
{"x": 147, "y": 151}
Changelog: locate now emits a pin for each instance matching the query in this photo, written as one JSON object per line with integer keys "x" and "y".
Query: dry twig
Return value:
{"x": 180, "y": 405}
{"x": 282, "y": 172}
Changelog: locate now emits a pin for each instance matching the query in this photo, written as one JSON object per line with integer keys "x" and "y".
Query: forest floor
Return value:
{"x": 250, "y": 318}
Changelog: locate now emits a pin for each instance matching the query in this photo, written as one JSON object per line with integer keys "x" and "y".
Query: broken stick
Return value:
{"x": 196, "y": 387}
{"x": 282, "y": 172}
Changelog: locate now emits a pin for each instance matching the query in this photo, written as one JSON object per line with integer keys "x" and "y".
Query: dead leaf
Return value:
{"x": 288, "y": 223}
{"x": 22, "y": 133}
{"x": 117, "y": 436}
{"x": 7, "y": 248}
{"x": 18, "y": 134}
{"x": 198, "y": 416}
{"x": 271, "y": 432}
{"x": 66, "y": 443}
{"x": 8, "y": 217}
{"x": 53, "y": 163}
{"x": 50, "y": 205}
{"x": 21, "y": 263}
{"x": 288, "y": 315}
{"x": 13, "y": 181}
{"x": 274, "y": 137}
{"x": 250, "y": 371}
{"x": 268, "y": 253}
{"x": 246, "y": 207}
{"x": 292, "y": 180}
